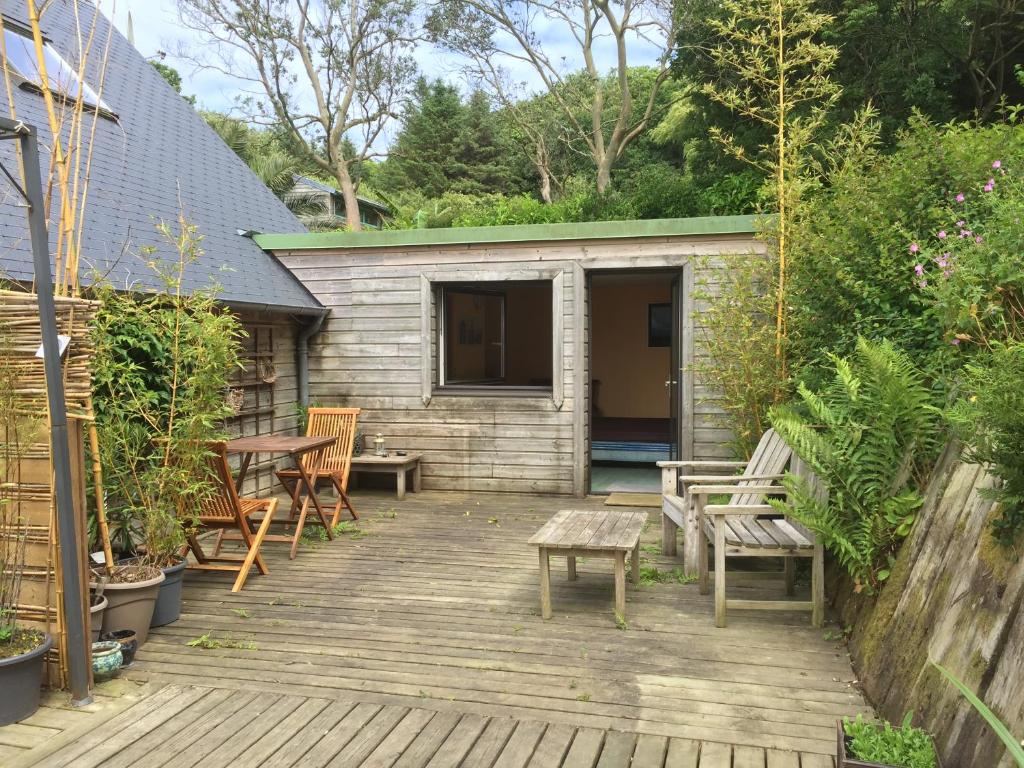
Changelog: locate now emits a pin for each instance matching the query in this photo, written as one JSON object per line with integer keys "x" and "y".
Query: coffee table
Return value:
{"x": 392, "y": 464}
{"x": 584, "y": 533}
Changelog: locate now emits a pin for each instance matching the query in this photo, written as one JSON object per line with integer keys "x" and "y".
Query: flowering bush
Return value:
{"x": 972, "y": 271}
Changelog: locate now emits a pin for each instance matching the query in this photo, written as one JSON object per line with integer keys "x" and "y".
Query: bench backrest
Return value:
{"x": 770, "y": 458}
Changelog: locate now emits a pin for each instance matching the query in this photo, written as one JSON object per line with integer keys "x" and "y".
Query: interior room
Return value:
{"x": 631, "y": 359}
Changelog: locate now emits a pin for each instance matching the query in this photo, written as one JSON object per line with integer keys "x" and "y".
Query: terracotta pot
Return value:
{"x": 96, "y": 611}
{"x": 168, "y": 599}
{"x": 130, "y": 606}
{"x": 21, "y": 679}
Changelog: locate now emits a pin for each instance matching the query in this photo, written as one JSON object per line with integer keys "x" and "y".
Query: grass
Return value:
{"x": 620, "y": 621}
{"x": 240, "y": 613}
{"x": 208, "y": 641}
{"x": 651, "y": 574}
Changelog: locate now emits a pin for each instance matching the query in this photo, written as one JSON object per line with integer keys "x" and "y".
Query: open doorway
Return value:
{"x": 633, "y": 351}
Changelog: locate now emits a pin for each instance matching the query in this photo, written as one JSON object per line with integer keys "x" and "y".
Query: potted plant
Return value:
{"x": 863, "y": 744}
{"x": 161, "y": 366}
{"x": 22, "y": 651}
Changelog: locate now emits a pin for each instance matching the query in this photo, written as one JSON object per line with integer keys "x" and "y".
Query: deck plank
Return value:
{"x": 454, "y": 749}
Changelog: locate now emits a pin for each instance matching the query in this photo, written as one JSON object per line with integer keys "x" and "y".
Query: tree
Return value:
{"x": 332, "y": 74}
{"x": 495, "y": 34}
{"x": 774, "y": 71}
{"x": 173, "y": 78}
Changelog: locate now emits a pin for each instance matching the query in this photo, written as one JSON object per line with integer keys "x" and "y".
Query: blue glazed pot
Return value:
{"x": 106, "y": 659}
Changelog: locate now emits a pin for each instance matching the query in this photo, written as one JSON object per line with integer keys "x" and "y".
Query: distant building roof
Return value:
{"x": 158, "y": 158}
{"x": 317, "y": 184}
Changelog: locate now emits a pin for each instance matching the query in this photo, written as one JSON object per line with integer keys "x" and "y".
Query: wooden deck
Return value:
{"x": 418, "y": 642}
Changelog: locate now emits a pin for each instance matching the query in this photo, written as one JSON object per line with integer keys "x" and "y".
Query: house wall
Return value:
{"x": 276, "y": 411}
{"x": 378, "y": 352}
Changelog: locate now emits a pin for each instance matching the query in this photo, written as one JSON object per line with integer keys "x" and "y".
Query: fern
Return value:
{"x": 869, "y": 437}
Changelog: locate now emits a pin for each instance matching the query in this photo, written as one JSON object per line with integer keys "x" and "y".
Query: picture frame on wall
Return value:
{"x": 659, "y": 325}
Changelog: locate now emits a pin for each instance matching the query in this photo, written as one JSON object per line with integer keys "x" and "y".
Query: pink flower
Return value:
{"x": 945, "y": 273}
{"x": 990, "y": 186}
{"x": 914, "y": 248}
{"x": 923, "y": 284}
{"x": 942, "y": 234}
{"x": 978, "y": 239}
{"x": 960, "y": 197}
{"x": 997, "y": 164}
{"x": 942, "y": 263}
{"x": 919, "y": 270}
{"x": 955, "y": 342}
{"x": 961, "y": 223}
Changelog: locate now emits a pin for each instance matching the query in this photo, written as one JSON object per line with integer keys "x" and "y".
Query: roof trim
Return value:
{"x": 594, "y": 230}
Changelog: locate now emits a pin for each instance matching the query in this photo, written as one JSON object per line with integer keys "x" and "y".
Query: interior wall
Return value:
{"x": 631, "y": 374}
{"x": 528, "y": 335}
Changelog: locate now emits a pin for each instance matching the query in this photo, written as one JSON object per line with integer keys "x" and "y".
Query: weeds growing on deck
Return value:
{"x": 208, "y": 642}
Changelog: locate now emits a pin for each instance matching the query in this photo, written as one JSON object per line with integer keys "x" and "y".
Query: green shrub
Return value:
{"x": 906, "y": 746}
{"x": 870, "y": 437}
{"x": 988, "y": 418}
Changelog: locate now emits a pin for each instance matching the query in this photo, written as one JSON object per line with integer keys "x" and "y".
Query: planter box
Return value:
{"x": 843, "y": 760}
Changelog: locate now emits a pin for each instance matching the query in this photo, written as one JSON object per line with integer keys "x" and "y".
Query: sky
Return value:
{"x": 157, "y": 31}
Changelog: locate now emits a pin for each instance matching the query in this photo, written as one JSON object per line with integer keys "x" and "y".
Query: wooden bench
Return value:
{"x": 396, "y": 465}
{"x": 579, "y": 533}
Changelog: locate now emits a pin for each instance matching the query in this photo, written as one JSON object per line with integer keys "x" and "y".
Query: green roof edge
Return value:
{"x": 593, "y": 230}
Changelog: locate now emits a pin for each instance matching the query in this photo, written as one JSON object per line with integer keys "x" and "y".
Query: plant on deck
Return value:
{"x": 870, "y": 438}
{"x": 162, "y": 368}
{"x": 905, "y": 746}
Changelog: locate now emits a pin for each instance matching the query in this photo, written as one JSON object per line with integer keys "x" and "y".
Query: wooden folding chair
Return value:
{"x": 337, "y": 460}
{"x": 225, "y": 511}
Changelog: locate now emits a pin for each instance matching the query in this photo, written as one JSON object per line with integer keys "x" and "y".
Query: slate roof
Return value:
{"x": 158, "y": 152}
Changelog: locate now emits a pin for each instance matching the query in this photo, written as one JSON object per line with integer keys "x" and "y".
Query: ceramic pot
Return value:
{"x": 96, "y": 611}
{"x": 21, "y": 679}
{"x": 106, "y": 659}
{"x": 130, "y": 606}
{"x": 129, "y": 645}
{"x": 168, "y": 598}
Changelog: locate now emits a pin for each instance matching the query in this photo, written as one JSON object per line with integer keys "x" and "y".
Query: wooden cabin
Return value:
{"x": 542, "y": 358}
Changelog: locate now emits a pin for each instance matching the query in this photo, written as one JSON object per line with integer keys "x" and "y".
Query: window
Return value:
{"x": 496, "y": 334}
{"x": 62, "y": 77}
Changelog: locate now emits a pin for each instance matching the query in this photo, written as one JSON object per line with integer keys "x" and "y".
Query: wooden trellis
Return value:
{"x": 26, "y": 473}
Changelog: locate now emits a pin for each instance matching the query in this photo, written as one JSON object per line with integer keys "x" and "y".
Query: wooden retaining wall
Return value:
{"x": 378, "y": 352}
{"x": 955, "y": 598}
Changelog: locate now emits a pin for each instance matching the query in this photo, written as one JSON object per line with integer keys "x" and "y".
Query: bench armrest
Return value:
{"x": 718, "y": 479}
{"x": 708, "y": 490}
{"x": 737, "y": 510}
{"x": 701, "y": 464}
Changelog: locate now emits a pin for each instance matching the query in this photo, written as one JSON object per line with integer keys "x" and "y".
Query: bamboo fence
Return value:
{"x": 27, "y": 475}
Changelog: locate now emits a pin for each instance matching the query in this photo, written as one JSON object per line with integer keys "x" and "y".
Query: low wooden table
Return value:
{"x": 580, "y": 533}
{"x": 399, "y": 466}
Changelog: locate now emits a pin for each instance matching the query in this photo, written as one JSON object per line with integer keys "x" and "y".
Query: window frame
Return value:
{"x": 432, "y": 341}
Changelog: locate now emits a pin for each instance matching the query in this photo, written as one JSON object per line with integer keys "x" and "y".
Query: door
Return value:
{"x": 673, "y": 382}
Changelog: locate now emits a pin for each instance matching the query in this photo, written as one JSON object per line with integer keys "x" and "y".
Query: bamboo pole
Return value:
{"x": 97, "y": 481}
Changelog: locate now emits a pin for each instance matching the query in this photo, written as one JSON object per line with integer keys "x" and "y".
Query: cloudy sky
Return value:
{"x": 157, "y": 29}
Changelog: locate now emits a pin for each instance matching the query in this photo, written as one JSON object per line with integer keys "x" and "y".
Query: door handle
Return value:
{"x": 671, "y": 382}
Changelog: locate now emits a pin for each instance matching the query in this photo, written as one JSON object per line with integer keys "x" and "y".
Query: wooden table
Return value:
{"x": 399, "y": 466}
{"x": 578, "y": 533}
{"x": 296, "y": 447}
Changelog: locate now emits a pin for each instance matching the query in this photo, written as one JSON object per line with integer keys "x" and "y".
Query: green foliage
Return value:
{"x": 160, "y": 373}
{"x": 851, "y": 236}
{"x": 1014, "y": 747}
{"x": 870, "y": 437}
{"x": 906, "y": 746}
{"x": 173, "y": 78}
{"x": 208, "y": 642}
{"x": 650, "y": 574}
{"x": 988, "y": 417}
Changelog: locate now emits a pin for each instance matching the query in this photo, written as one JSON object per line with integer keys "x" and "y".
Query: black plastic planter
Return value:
{"x": 168, "y": 599}
{"x": 844, "y": 760}
{"x": 21, "y": 680}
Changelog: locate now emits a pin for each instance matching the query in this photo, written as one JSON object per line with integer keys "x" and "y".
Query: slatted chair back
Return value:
{"x": 339, "y": 423}
{"x": 221, "y": 505}
{"x": 770, "y": 458}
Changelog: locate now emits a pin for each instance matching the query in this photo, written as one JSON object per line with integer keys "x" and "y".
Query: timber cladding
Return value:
{"x": 378, "y": 352}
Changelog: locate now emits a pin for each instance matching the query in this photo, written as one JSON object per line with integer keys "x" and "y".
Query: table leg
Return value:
{"x": 620, "y": 583}
{"x": 400, "y": 483}
{"x": 242, "y": 470}
{"x": 635, "y": 574}
{"x": 570, "y": 562}
{"x": 417, "y": 478}
{"x": 545, "y": 583}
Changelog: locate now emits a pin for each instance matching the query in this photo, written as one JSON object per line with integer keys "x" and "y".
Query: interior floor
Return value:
{"x": 624, "y": 478}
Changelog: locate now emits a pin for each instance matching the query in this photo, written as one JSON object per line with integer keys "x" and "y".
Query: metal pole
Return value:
{"x": 78, "y": 661}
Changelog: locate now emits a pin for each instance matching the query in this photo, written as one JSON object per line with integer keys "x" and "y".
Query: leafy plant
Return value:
{"x": 161, "y": 370}
{"x": 209, "y": 642}
{"x": 650, "y": 574}
{"x": 905, "y": 746}
{"x": 1013, "y": 746}
{"x": 870, "y": 438}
